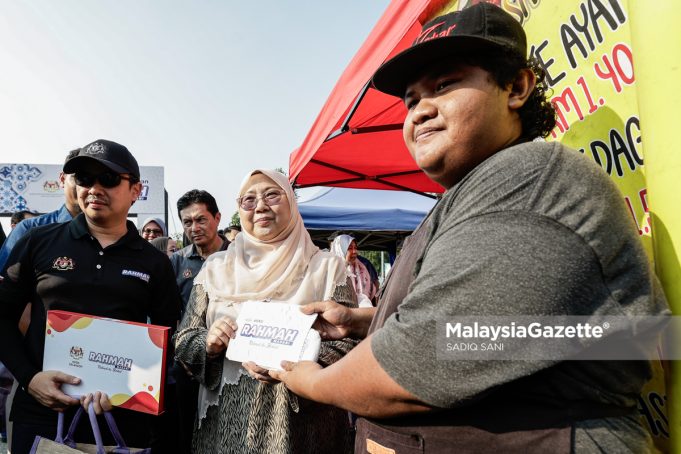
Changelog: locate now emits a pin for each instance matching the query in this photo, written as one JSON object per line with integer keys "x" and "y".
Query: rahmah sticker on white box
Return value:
{"x": 126, "y": 360}
{"x": 271, "y": 332}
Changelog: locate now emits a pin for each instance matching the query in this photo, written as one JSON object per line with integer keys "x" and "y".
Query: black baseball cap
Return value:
{"x": 479, "y": 28}
{"x": 110, "y": 154}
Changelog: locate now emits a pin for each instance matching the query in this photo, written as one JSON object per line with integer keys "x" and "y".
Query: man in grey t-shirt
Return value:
{"x": 524, "y": 229}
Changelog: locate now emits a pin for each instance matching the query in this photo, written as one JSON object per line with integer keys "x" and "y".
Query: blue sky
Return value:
{"x": 209, "y": 89}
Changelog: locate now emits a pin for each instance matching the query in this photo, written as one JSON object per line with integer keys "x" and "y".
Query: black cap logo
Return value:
{"x": 95, "y": 148}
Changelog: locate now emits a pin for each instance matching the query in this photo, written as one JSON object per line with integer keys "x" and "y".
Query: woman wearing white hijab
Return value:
{"x": 344, "y": 246}
{"x": 272, "y": 259}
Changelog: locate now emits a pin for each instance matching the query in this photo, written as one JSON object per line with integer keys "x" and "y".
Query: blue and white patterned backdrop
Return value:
{"x": 36, "y": 187}
{"x": 14, "y": 181}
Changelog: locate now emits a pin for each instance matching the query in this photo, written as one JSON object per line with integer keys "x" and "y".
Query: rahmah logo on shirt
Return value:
{"x": 137, "y": 274}
{"x": 63, "y": 264}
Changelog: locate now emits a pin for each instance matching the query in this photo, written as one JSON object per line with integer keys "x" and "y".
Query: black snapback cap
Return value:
{"x": 477, "y": 28}
{"x": 110, "y": 154}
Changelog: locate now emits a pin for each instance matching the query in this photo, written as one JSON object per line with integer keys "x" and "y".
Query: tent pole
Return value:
{"x": 344, "y": 126}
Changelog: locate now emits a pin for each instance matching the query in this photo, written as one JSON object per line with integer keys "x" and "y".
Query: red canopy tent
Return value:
{"x": 356, "y": 141}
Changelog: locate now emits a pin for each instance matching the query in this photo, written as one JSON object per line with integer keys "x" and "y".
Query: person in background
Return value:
{"x": 200, "y": 217}
{"x": 233, "y": 230}
{"x": 19, "y": 216}
{"x": 345, "y": 246}
{"x": 272, "y": 258}
{"x": 95, "y": 264}
{"x": 65, "y": 213}
{"x": 153, "y": 228}
{"x": 526, "y": 228}
{"x": 374, "y": 276}
{"x": 165, "y": 244}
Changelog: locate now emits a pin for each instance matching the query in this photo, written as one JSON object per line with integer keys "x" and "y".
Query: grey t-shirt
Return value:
{"x": 536, "y": 229}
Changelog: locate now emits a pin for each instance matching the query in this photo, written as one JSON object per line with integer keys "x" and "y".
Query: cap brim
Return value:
{"x": 77, "y": 163}
{"x": 396, "y": 74}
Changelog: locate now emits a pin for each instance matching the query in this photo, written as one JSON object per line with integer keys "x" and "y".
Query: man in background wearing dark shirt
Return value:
{"x": 200, "y": 218}
{"x": 96, "y": 264}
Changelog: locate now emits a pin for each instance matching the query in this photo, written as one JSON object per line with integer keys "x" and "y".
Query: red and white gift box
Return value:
{"x": 126, "y": 360}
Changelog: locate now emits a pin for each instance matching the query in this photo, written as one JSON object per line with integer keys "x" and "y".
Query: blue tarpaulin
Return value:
{"x": 363, "y": 210}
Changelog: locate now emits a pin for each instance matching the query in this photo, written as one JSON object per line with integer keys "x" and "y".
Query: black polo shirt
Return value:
{"x": 187, "y": 263}
{"x": 61, "y": 266}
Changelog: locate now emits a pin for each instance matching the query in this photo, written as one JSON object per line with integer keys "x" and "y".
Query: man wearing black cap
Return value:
{"x": 96, "y": 264}
{"x": 526, "y": 228}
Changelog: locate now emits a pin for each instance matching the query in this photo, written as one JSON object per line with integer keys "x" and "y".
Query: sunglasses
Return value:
{"x": 249, "y": 202}
{"x": 105, "y": 179}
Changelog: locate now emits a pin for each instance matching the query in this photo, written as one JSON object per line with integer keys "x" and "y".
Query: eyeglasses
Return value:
{"x": 249, "y": 202}
{"x": 106, "y": 179}
{"x": 154, "y": 231}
